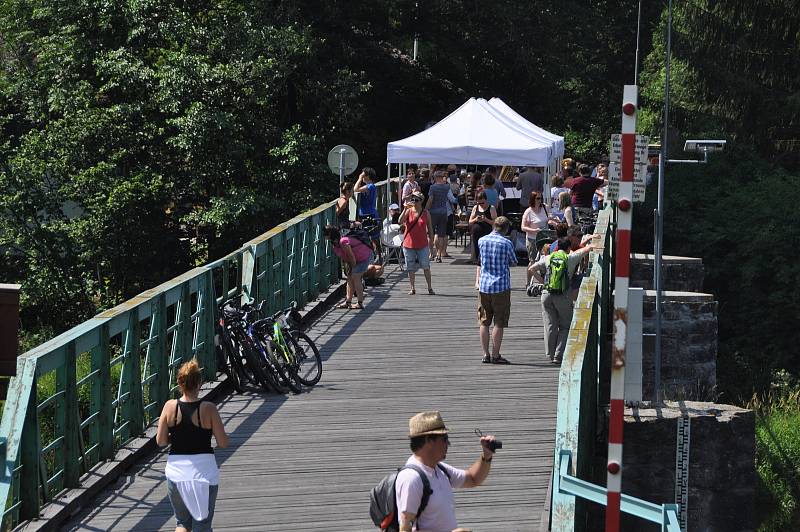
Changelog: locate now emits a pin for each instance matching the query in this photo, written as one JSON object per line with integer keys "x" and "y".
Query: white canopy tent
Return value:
{"x": 558, "y": 142}
{"x": 481, "y": 133}
{"x": 503, "y": 107}
{"x": 475, "y": 133}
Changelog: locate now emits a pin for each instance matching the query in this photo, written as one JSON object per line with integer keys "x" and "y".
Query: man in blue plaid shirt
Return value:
{"x": 497, "y": 255}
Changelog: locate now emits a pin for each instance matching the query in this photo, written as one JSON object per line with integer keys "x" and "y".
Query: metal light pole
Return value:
{"x": 342, "y": 151}
{"x": 416, "y": 33}
{"x": 659, "y": 240}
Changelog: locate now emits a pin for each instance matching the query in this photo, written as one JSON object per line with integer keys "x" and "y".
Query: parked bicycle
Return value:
{"x": 301, "y": 356}
{"x": 272, "y": 352}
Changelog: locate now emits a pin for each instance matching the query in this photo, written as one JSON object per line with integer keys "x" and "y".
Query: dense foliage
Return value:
{"x": 735, "y": 76}
{"x": 143, "y": 137}
{"x": 777, "y": 455}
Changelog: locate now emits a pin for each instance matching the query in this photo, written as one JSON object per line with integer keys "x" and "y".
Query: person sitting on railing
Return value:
{"x": 343, "y": 206}
{"x": 192, "y": 473}
{"x": 556, "y": 300}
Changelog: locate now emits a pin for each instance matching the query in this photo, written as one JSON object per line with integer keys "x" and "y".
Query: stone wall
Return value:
{"x": 688, "y": 346}
{"x": 722, "y": 476}
{"x": 681, "y": 274}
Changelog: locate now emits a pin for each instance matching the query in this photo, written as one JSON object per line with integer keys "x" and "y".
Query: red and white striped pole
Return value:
{"x": 623, "y": 262}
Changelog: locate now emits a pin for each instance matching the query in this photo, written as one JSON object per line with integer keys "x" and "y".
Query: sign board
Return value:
{"x": 641, "y": 148}
{"x": 639, "y": 168}
{"x": 342, "y": 160}
{"x": 612, "y": 192}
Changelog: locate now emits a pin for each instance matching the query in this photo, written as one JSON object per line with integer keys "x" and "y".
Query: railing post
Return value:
{"x": 290, "y": 273}
{"x": 314, "y": 232}
{"x": 72, "y": 425}
{"x": 307, "y": 262}
{"x": 279, "y": 248}
{"x": 269, "y": 277}
{"x": 133, "y": 410}
{"x": 183, "y": 331}
{"x": 205, "y": 326}
{"x": 248, "y": 268}
{"x": 101, "y": 395}
{"x": 159, "y": 357}
{"x": 29, "y": 458}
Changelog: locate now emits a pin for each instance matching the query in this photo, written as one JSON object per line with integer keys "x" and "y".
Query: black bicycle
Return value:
{"x": 241, "y": 348}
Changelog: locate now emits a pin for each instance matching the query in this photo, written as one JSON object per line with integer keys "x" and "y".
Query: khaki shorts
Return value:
{"x": 495, "y": 307}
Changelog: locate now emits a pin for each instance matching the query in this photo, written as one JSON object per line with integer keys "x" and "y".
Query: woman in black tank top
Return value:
{"x": 343, "y": 205}
{"x": 480, "y": 223}
{"x": 188, "y": 435}
{"x": 192, "y": 473}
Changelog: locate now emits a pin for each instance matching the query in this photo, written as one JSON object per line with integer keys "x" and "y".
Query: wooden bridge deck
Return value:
{"x": 307, "y": 462}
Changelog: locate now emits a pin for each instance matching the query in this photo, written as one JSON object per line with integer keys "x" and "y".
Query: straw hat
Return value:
{"x": 426, "y": 423}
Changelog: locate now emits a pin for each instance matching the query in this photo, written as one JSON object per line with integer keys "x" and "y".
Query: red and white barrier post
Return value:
{"x": 623, "y": 261}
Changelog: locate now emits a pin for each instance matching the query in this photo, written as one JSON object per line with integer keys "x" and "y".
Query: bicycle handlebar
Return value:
{"x": 231, "y": 309}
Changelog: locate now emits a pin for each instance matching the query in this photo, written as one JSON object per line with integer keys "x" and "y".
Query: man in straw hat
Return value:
{"x": 429, "y": 443}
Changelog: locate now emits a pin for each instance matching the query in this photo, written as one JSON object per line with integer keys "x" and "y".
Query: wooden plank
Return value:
{"x": 307, "y": 462}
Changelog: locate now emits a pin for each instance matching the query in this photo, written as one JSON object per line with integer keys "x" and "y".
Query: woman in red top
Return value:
{"x": 355, "y": 256}
{"x": 416, "y": 243}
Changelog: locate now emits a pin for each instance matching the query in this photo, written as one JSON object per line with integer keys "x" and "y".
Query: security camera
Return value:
{"x": 704, "y": 145}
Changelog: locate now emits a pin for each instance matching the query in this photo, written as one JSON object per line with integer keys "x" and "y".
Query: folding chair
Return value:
{"x": 392, "y": 243}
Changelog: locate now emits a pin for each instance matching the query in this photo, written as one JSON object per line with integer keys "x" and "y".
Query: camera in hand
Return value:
{"x": 494, "y": 445}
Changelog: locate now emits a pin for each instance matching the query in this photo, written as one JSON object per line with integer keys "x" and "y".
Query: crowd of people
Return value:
{"x": 432, "y": 200}
{"x": 438, "y": 198}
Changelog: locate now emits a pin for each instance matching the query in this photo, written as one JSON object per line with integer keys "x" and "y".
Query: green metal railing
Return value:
{"x": 78, "y": 398}
{"x": 580, "y": 387}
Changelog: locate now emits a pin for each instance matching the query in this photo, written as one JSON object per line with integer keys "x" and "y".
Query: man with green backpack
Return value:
{"x": 554, "y": 271}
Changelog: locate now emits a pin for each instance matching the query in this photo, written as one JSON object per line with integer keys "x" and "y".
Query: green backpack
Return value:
{"x": 556, "y": 280}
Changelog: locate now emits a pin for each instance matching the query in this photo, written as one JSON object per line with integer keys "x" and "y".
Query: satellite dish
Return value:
{"x": 342, "y": 160}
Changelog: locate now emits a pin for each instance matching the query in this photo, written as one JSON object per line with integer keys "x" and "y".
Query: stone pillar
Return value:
{"x": 721, "y": 473}
{"x": 688, "y": 346}
{"x": 681, "y": 274}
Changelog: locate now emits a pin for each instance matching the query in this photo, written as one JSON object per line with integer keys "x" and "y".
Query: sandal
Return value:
{"x": 431, "y": 292}
{"x": 500, "y": 360}
{"x": 412, "y": 292}
{"x": 357, "y": 306}
{"x": 345, "y": 305}
{"x": 486, "y": 359}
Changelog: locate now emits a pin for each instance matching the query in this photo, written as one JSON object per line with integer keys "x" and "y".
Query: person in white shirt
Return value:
{"x": 429, "y": 443}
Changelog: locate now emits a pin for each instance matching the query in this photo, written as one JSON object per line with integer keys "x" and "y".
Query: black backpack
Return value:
{"x": 360, "y": 235}
{"x": 383, "y": 499}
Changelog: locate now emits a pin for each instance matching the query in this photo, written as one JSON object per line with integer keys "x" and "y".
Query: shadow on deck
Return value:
{"x": 307, "y": 462}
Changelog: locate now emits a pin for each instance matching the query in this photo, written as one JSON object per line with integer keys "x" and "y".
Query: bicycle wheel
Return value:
{"x": 279, "y": 365}
{"x": 308, "y": 362}
{"x": 254, "y": 366}
{"x": 236, "y": 356}
{"x": 225, "y": 365}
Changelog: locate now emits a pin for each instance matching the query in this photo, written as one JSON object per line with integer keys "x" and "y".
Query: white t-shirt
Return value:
{"x": 535, "y": 219}
{"x": 440, "y": 514}
{"x": 408, "y": 188}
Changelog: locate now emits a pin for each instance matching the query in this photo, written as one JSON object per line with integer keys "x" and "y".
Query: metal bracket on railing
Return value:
{"x": 664, "y": 514}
